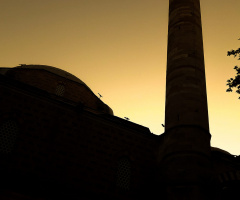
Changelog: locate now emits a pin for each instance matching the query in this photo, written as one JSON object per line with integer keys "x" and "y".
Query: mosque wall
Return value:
{"x": 56, "y": 148}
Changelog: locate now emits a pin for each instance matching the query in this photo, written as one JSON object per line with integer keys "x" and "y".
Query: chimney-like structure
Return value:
{"x": 186, "y": 160}
{"x": 186, "y": 98}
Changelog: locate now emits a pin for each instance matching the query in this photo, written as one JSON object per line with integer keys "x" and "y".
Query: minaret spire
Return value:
{"x": 186, "y": 149}
{"x": 186, "y": 98}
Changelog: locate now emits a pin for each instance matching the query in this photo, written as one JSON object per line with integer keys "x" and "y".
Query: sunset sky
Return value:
{"x": 119, "y": 49}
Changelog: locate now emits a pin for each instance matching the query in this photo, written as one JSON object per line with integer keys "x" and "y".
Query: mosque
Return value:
{"x": 58, "y": 140}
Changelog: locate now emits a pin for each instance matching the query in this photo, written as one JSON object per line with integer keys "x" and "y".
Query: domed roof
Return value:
{"x": 90, "y": 100}
{"x": 51, "y": 69}
{"x": 220, "y": 150}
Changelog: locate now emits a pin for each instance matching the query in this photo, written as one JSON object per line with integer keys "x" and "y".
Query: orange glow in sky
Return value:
{"x": 119, "y": 49}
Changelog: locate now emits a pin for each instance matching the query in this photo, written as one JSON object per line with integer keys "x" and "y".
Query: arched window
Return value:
{"x": 60, "y": 89}
{"x": 123, "y": 173}
{"x": 8, "y": 134}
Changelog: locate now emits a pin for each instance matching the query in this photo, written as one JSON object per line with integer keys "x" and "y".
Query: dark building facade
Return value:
{"x": 59, "y": 143}
{"x": 58, "y": 140}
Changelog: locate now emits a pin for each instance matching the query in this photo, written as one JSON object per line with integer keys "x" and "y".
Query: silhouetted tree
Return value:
{"x": 236, "y": 81}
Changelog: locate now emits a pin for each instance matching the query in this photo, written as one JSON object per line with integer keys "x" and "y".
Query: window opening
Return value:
{"x": 124, "y": 173}
{"x": 60, "y": 89}
{"x": 8, "y": 134}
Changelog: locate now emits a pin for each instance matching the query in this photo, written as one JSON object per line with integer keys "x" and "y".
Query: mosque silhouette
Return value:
{"x": 58, "y": 140}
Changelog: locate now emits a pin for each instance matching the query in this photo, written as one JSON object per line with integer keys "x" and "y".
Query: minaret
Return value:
{"x": 186, "y": 160}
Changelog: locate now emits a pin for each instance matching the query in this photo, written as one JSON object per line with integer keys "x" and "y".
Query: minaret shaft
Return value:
{"x": 185, "y": 163}
{"x": 186, "y": 99}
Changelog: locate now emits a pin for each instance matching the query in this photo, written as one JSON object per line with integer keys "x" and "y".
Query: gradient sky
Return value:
{"x": 119, "y": 49}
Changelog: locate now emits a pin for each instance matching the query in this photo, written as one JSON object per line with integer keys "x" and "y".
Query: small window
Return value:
{"x": 124, "y": 174}
{"x": 8, "y": 134}
{"x": 60, "y": 89}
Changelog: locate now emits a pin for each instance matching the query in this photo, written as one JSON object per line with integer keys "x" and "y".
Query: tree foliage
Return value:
{"x": 234, "y": 82}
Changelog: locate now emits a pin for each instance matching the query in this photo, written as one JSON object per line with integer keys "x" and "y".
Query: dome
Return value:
{"x": 50, "y": 79}
{"x": 51, "y": 69}
{"x": 220, "y": 150}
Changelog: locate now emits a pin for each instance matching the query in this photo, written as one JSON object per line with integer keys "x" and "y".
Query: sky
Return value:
{"x": 119, "y": 49}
